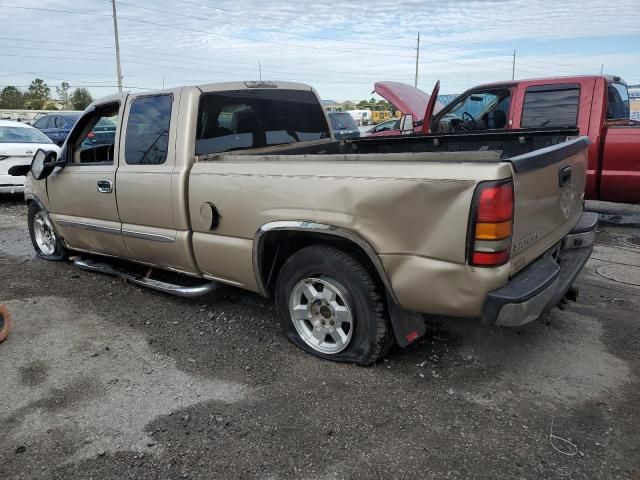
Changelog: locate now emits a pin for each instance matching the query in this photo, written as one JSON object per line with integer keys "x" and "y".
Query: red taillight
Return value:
{"x": 491, "y": 225}
{"x": 495, "y": 203}
{"x": 91, "y": 135}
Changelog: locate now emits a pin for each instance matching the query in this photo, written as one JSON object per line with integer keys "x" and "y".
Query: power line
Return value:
{"x": 181, "y": 28}
{"x": 268, "y": 29}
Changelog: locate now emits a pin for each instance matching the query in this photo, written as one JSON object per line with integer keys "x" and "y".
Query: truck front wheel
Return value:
{"x": 330, "y": 306}
{"x": 43, "y": 237}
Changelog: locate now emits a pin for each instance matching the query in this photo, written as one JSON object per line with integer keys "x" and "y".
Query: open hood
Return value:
{"x": 406, "y": 98}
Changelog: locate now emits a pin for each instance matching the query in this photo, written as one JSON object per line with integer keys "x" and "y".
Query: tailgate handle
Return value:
{"x": 564, "y": 176}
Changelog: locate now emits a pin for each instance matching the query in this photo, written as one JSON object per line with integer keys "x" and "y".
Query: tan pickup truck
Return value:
{"x": 242, "y": 183}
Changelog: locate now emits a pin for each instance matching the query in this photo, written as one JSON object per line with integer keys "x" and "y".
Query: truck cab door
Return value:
{"x": 82, "y": 195}
{"x": 620, "y": 170}
{"x": 152, "y": 186}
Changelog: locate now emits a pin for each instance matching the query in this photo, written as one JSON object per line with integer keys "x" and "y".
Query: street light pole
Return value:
{"x": 115, "y": 31}
{"x": 415, "y": 82}
{"x": 513, "y": 67}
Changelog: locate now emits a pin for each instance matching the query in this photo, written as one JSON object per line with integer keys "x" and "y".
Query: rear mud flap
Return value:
{"x": 407, "y": 326}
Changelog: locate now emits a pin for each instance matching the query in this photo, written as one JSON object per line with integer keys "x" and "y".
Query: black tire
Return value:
{"x": 372, "y": 336}
{"x": 59, "y": 252}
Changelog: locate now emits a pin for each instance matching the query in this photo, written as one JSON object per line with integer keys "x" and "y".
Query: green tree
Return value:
{"x": 63, "y": 95}
{"x": 80, "y": 98}
{"x": 37, "y": 94}
{"x": 11, "y": 97}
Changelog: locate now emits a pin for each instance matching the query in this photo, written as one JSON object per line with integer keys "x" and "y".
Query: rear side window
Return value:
{"x": 342, "y": 121}
{"x": 255, "y": 118}
{"x": 618, "y": 102}
{"x": 551, "y": 106}
{"x": 147, "y": 137}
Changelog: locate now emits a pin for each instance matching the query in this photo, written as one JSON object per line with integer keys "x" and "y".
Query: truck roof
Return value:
{"x": 570, "y": 78}
{"x": 215, "y": 87}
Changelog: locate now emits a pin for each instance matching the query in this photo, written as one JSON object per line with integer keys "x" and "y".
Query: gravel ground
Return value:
{"x": 102, "y": 379}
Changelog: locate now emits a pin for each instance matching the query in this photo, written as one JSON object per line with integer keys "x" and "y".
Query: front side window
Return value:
{"x": 618, "y": 102}
{"x": 147, "y": 138}
{"x": 41, "y": 123}
{"x": 551, "y": 106}
{"x": 255, "y": 118}
{"x": 487, "y": 110}
{"x": 94, "y": 141}
{"x": 60, "y": 123}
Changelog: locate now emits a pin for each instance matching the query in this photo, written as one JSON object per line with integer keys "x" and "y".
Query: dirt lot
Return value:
{"x": 101, "y": 379}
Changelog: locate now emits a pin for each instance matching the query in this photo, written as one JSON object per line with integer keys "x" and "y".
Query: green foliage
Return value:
{"x": 11, "y": 97}
{"x": 63, "y": 95}
{"x": 80, "y": 98}
{"x": 37, "y": 94}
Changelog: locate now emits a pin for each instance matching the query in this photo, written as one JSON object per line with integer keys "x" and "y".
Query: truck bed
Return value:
{"x": 502, "y": 145}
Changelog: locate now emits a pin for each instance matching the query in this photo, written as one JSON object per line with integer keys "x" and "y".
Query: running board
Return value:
{"x": 178, "y": 290}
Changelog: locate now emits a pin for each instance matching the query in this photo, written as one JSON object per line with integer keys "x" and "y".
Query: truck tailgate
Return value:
{"x": 548, "y": 192}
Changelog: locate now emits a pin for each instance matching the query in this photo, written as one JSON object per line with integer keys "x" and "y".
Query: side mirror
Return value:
{"x": 406, "y": 125}
{"x": 43, "y": 163}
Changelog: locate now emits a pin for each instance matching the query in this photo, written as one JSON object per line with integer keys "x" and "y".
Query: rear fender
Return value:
{"x": 407, "y": 326}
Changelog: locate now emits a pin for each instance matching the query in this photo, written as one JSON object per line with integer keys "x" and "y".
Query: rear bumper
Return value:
{"x": 539, "y": 287}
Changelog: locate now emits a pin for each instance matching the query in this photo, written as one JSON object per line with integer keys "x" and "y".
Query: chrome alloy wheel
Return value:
{"x": 321, "y": 315}
{"x": 44, "y": 234}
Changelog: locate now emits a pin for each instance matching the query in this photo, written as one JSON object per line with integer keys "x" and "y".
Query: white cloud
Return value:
{"x": 341, "y": 48}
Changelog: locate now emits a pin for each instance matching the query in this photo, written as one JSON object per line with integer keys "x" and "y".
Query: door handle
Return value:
{"x": 564, "y": 176}
{"x": 105, "y": 186}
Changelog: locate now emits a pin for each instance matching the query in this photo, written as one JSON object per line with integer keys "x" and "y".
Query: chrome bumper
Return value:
{"x": 542, "y": 285}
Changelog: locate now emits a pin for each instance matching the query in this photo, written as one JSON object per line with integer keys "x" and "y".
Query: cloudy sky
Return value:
{"x": 341, "y": 48}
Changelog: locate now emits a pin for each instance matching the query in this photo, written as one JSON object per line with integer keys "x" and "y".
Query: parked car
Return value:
{"x": 408, "y": 100}
{"x": 242, "y": 183}
{"x": 598, "y": 106}
{"x": 361, "y": 117}
{"x": 18, "y": 143}
{"x": 102, "y": 133}
{"x": 56, "y": 126}
{"x": 343, "y": 125}
{"x": 390, "y": 127}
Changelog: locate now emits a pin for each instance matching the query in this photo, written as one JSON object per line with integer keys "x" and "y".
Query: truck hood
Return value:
{"x": 409, "y": 100}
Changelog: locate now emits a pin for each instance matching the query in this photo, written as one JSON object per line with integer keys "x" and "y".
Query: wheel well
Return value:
{"x": 279, "y": 245}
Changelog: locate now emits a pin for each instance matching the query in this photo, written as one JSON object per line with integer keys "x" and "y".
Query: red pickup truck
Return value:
{"x": 597, "y": 106}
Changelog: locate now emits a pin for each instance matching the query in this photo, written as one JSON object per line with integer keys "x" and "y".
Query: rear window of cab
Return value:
{"x": 554, "y": 105}
{"x": 254, "y": 118}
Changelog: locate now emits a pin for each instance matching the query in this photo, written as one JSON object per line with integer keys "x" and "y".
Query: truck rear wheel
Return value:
{"x": 330, "y": 305}
{"x": 43, "y": 236}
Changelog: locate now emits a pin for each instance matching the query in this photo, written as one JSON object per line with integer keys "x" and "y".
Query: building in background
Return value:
{"x": 634, "y": 101}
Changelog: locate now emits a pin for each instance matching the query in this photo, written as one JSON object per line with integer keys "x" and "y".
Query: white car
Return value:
{"x": 18, "y": 143}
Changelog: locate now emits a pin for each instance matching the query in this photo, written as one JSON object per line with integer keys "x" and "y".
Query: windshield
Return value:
{"x": 241, "y": 119}
{"x": 22, "y": 135}
{"x": 342, "y": 121}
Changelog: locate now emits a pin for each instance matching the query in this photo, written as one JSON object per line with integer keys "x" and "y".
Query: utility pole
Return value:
{"x": 115, "y": 31}
{"x": 163, "y": 82}
{"x": 415, "y": 82}
{"x": 513, "y": 67}
{"x": 260, "y": 70}
{"x": 601, "y": 68}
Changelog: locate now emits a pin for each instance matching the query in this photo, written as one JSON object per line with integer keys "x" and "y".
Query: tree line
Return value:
{"x": 38, "y": 97}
